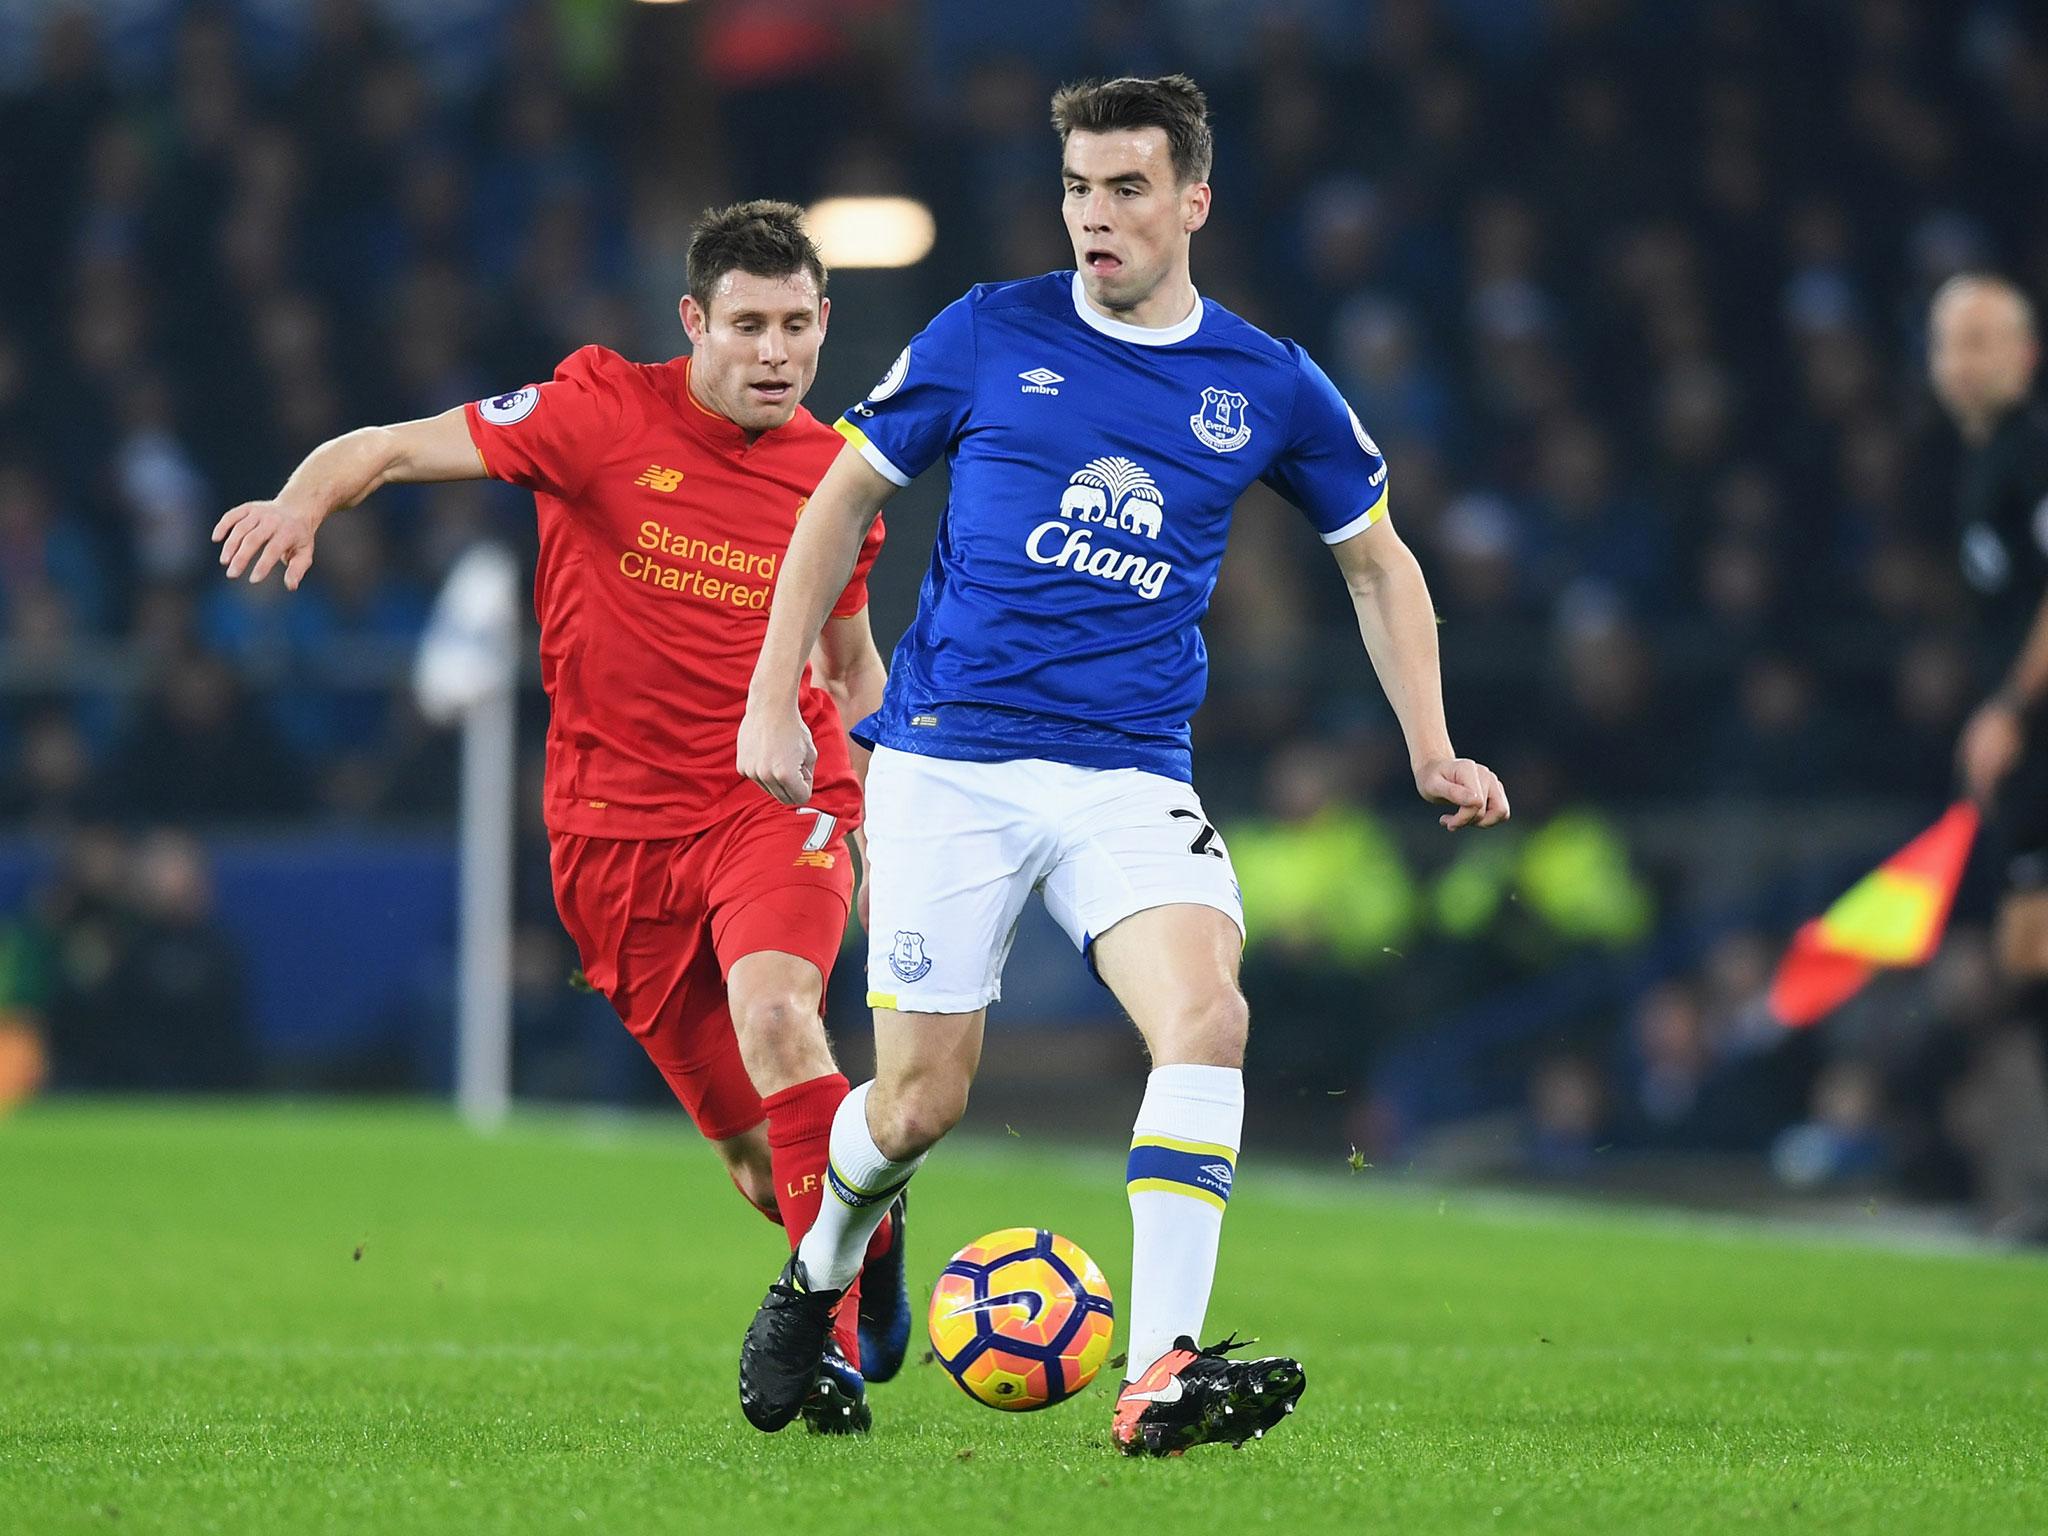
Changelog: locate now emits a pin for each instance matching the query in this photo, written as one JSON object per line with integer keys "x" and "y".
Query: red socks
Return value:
{"x": 799, "y": 1148}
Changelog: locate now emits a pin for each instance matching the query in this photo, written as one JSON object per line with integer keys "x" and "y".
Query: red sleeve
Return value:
{"x": 549, "y": 437}
{"x": 855, "y": 597}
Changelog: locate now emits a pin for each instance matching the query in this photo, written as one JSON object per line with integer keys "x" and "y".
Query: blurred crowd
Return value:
{"x": 118, "y": 976}
{"x": 1632, "y": 294}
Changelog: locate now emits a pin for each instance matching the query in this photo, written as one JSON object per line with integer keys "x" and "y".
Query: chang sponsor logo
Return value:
{"x": 1109, "y": 494}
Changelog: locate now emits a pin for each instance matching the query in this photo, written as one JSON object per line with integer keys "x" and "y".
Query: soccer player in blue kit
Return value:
{"x": 1099, "y": 424}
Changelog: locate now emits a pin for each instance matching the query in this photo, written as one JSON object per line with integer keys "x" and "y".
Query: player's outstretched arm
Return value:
{"x": 775, "y": 747}
{"x": 1398, "y": 623}
{"x": 258, "y": 535}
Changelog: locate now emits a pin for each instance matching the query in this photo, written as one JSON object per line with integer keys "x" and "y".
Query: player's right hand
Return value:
{"x": 776, "y": 751}
{"x": 269, "y": 533}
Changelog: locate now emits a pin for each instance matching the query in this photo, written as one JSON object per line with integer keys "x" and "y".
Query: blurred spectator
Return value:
{"x": 1592, "y": 530}
{"x": 1704, "y": 1067}
{"x": 50, "y": 784}
{"x": 1560, "y": 882}
{"x": 199, "y": 747}
{"x": 1323, "y": 880}
{"x": 1389, "y": 379}
{"x": 166, "y": 501}
{"x": 1567, "y": 1113}
{"x": 1620, "y": 743}
{"x": 40, "y": 549}
{"x": 1329, "y": 904}
{"x": 1844, "y": 1142}
{"x": 150, "y": 993}
{"x": 1779, "y": 735}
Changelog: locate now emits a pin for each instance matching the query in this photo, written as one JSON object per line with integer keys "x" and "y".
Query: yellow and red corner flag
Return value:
{"x": 1891, "y": 919}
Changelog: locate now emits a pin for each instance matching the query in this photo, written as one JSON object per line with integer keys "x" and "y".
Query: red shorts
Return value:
{"x": 659, "y": 924}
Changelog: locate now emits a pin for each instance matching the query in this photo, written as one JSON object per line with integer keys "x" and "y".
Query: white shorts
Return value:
{"x": 954, "y": 848}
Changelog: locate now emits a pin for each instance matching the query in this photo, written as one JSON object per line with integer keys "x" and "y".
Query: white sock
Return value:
{"x": 1183, "y": 1160}
{"x": 859, "y": 1185}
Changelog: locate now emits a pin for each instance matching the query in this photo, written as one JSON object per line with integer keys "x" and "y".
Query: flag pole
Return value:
{"x": 467, "y": 670}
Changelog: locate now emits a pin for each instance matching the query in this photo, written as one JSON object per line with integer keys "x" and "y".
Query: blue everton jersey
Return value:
{"x": 1094, "y": 465}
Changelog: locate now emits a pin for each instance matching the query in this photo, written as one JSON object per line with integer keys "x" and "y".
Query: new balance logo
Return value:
{"x": 1041, "y": 381}
{"x": 655, "y": 478}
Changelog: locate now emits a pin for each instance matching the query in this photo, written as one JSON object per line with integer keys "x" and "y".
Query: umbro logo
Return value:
{"x": 1041, "y": 381}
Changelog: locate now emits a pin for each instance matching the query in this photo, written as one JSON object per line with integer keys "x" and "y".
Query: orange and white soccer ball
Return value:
{"x": 1021, "y": 1319}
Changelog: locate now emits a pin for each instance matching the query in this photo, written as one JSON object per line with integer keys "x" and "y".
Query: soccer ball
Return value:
{"x": 1021, "y": 1319}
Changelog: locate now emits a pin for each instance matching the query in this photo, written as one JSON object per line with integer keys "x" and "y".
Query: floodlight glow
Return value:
{"x": 872, "y": 231}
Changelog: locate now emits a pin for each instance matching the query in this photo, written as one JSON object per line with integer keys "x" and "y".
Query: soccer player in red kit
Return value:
{"x": 708, "y": 913}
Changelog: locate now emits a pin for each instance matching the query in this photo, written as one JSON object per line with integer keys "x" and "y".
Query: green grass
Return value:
{"x": 311, "y": 1319}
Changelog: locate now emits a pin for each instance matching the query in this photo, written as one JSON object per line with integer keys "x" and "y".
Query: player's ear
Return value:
{"x": 694, "y": 320}
{"x": 1194, "y": 206}
{"x": 824, "y": 317}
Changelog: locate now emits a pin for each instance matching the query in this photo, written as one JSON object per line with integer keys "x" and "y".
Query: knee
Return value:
{"x": 780, "y": 1036}
{"x": 911, "y": 1115}
{"x": 773, "y": 1016}
{"x": 1210, "y": 1031}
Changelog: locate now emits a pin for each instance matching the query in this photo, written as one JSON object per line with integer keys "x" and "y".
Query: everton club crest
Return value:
{"x": 908, "y": 959}
{"x": 1220, "y": 423}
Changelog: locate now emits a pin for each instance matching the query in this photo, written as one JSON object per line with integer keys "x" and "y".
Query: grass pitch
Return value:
{"x": 308, "y": 1319}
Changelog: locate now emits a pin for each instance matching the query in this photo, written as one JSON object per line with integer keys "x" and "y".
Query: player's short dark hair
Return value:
{"x": 1171, "y": 103}
{"x": 762, "y": 238}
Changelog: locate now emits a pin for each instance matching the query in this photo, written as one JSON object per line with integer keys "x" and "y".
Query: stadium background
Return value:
{"x": 1631, "y": 294}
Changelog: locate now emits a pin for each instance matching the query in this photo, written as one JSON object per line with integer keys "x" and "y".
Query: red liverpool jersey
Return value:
{"x": 661, "y": 531}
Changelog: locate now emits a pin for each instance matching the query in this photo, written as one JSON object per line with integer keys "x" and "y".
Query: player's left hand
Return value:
{"x": 1473, "y": 788}
{"x": 1990, "y": 745}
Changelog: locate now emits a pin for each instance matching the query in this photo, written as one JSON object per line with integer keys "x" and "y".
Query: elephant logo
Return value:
{"x": 1117, "y": 493}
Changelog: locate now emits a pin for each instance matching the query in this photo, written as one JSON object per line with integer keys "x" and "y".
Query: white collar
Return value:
{"x": 1143, "y": 335}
